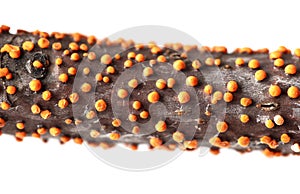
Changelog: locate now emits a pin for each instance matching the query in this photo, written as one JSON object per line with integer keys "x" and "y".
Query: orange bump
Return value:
{"x": 297, "y": 52}
{"x": 131, "y": 55}
{"x": 293, "y": 92}
{"x": 100, "y": 105}
{"x": 178, "y": 136}
{"x": 148, "y": 71}
{"x": 86, "y": 87}
{"x": 41, "y": 130}
{"x": 54, "y": 131}
{"x": 13, "y": 51}
{"x": 2, "y": 122}
{"x": 269, "y": 124}
{"x": 153, "y": 97}
{"x": 275, "y": 55}
{"x": 46, "y": 95}
{"x": 196, "y": 64}
{"x": 161, "y": 84}
{"x": 279, "y": 62}
{"x": 5, "y": 106}
{"x": 114, "y": 136}
{"x": 239, "y": 61}
{"x": 20, "y": 125}
{"x": 136, "y": 105}
{"x": 232, "y": 86}
{"x": 35, "y": 109}
{"x": 208, "y": 89}
{"x": 161, "y": 126}
{"x": 122, "y": 93}
{"x": 116, "y": 123}
{"x": 171, "y": 82}
{"x": 75, "y": 57}
{"x": 132, "y": 117}
{"x": 62, "y": 103}
{"x": 28, "y": 46}
{"x": 161, "y": 59}
{"x": 106, "y": 59}
{"x": 243, "y": 141}
{"x": 253, "y": 64}
{"x": 98, "y": 77}
{"x": 179, "y": 65}
{"x": 35, "y": 85}
{"x": 56, "y": 46}
{"x": 78, "y": 140}
{"x": 222, "y": 126}
{"x": 274, "y": 90}
{"x": 144, "y": 114}
{"x": 278, "y": 119}
{"x": 37, "y": 64}
{"x": 285, "y": 138}
{"x": 72, "y": 71}
{"x": 191, "y": 81}
{"x": 228, "y": 97}
{"x": 58, "y": 61}
{"x": 128, "y": 63}
{"x": 11, "y": 90}
{"x": 43, "y": 43}
{"x": 74, "y": 46}
{"x": 74, "y": 97}
{"x": 183, "y": 97}
{"x": 139, "y": 58}
{"x": 63, "y": 77}
{"x": 45, "y": 114}
{"x": 193, "y": 144}
{"x": 244, "y": 118}
{"x": 260, "y": 75}
{"x": 246, "y": 102}
{"x": 290, "y": 69}
{"x": 155, "y": 142}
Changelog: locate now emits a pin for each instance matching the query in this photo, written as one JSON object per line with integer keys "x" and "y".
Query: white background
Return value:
{"x": 35, "y": 167}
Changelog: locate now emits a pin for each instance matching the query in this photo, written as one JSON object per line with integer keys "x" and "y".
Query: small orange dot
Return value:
{"x": 62, "y": 103}
{"x": 290, "y": 69}
{"x": 260, "y": 75}
{"x": 136, "y": 105}
{"x": 153, "y": 97}
{"x": 2, "y": 123}
{"x": 56, "y": 46}
{"x": 43, "y": 43}
{"x": 278, "y": 119}
{"x": 114, "y": 136}
{"x": 28, "y": 46}
{"x": 75, "y": 57}
{"x": 116, "y": 123}
{"x": 46, "y": 95}
{"x": 91, "y": 56}
{"x": 191, "y": 81}
{"x": 218, "y": 62}
{"x": 297, "y": 52}
{"x": 78, "y": 140}
{"x": 63, "y": 77}
{"x": 155, "y": 142}
{"x": 99, "y": 77}
{"x": 253, "y": 64}
{"x": 232, "y": 86}
{"x": 86, "y": 71}
{"x": 293, "y": 92}
{"x": 209, "y": 61}
{"x": 128, "y": 63}
{"x": 35, "y": 85}
{"x": 133, "y": 83}
{"x": 110, "y": 70}
{"x": 131, "y": 55}
{"x": 218, "y": 95}
{"x": 41, "y": 130}
{"x": 178, "y": 136}
{"x": 100, "y": 105}
{"x": 135, "y": 130}
{"x": 58, "y": 61}
{"x": 9, "y": 76}
{"x": 243, "y": 141}
{"x": 20, "y": 125}
{"x": 246, "y": 102}
{"x": 275, "y": 55}
{"x": 190, "y": 144}
{"x": 132, "y": 117}
{"x": 54, "y": 131}
{"x": 239, "y": 61}
{"x": 37, "y": 64}
{"x": 139, "y": 58}
{"x": 269, "y": 124}
{"x": 5, "y": 106}
{"x": 148, "y": 71}
{"x": 35, "y": 109}
{"x": 265, "y": 139}
{"x": 161, "y": 126}
{"x": 171, "y": 82}
{"x": 228, "y": 97}
{"x": 144, "y": 114}
{"x": 179, "y": 65}
{"x": 72, "y": 71}
{"x": 11, "y": 89}
{"x": 285, "y": 138}
{"x": 64, "y": 139}
{"x": 244, "y": 118}
{"x": 45, "y": 114}
{"x": 86, "y": 87}
{"x": 122, "y": 93}
{"x": 183, "y": 97}
{"x": 274, "y": 90}
{"x": 161, "y": 84}
{"x": 156, "y": 50}
{"x": 161, "y": 59}
{"x": 106, "y": 79}
{"x": 90, "y": 115}
{"x": 74, "y": 46}
{"x": 222, "y": 126}
{"x": 208, "y": 89}
{"x": 84, "y": 47}
{"x": 196, "y": 64}
{"x": 279, "y": 62}
{"x": 106, "y": 59}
